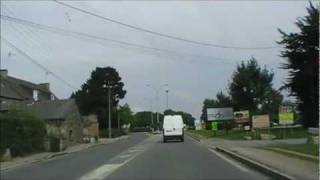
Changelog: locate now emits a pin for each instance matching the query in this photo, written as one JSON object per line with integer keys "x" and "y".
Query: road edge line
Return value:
{"x": 256, "y": 165}
{"x": 194, "y": 138}
{"x": 233, "y": 163}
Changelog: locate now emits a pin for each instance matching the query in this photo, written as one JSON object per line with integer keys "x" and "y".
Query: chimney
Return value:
{"x": 3, "y": 73}
{"x": 46, "y": 86}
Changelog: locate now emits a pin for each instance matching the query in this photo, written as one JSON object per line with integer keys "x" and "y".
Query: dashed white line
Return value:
{"x": 101, "y": 172}
{"x": 229, "y": 161}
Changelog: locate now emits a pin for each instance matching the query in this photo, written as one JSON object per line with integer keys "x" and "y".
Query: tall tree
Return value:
{"x": 143, "y": 119}
{"x": 302, "y": 56}
{"x": 125, "y": 114}
{"x": 251, "y": 89}
{"x": 93, "y": 96}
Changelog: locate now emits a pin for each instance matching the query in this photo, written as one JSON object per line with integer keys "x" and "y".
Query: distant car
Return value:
{"x": 173, "y": 128}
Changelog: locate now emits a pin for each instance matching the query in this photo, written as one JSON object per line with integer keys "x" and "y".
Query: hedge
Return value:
{"x": 22, "y": 132}
{"x": 114, "y": 133}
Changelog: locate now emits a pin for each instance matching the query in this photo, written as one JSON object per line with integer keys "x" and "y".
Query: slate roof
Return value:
{"x": 14, "y": 88}
{"x": 50, "y": 110}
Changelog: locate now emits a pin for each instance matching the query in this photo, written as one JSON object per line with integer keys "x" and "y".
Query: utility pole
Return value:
{"x": 167, "y": 91}
{"x": 119, "y": 120}
{"x": 109, "y": 120}
{"x": 157, "y": 101}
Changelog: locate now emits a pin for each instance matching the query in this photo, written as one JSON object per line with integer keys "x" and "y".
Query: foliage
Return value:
{"x": 115, "y": 132}
{"x": 22, "y": 132}
{"x": 302, "y": 56}
{"x": 144, "y": 119}
{"x": 93, "y": 95}
{"x": 188, "y": 119}
{"x": 251, "y": 87}
{"x": 221, "y": 101}
{"x": 237, "y": 134}
{"x": 126, "y": 114}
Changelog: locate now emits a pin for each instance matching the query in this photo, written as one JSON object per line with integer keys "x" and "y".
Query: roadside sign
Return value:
{"x": 241, "y": 117}
{"x": 246, "y": 128}
{"x": 285, "y": 118}
{"x": 286, "y": 115}
{"x": 260, "y": 121}
{"x": 215, "y": 114}
{"x": 214, "y": 126}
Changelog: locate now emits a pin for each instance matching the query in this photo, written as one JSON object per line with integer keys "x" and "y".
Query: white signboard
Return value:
{"x": 197, "y": 124}
{"x": 216, "y": 114}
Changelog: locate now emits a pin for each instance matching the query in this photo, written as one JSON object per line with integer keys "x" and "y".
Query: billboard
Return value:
{"x": 285, "y": 118}
{"x": 216, "y": 114}
{"x": 260, "y": 121}
{"x": 286, "y": 115}
{"x": 197, "y": 124}
{"x": 240, "y": 117}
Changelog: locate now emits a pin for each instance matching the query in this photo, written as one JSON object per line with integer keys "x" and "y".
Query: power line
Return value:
{"x": 162, "y": 34}
{"x": 37, "y": 63}
{"x": 72, "y": 33}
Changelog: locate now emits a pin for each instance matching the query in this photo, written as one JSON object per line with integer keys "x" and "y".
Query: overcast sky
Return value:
{"x": 196, "y": 73}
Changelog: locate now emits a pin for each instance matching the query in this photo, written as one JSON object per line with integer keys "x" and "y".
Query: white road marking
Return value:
{"x": 125, "y": 156}
{"x": 229, "y": 161}
{"x": 101, "y": 172}
{"x": 106, "y": 169}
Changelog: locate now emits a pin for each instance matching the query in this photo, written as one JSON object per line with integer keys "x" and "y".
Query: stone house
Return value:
{"x": 90, "y": 127}
{"x": 14, "y": 90}
{"x": 62, "y": 118}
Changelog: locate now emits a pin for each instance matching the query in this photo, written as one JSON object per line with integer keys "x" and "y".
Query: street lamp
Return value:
{"x": 157, "y": 97}
{"x": 108, "y": 85}
{"x": 167, "y": 92}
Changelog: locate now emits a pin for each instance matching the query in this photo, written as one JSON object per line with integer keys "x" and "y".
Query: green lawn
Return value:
{"x": 239, "y": 134}
{"x": 287, "y": 133}
{"x": 310, "y": 149}
{"x": 232, "y": 135}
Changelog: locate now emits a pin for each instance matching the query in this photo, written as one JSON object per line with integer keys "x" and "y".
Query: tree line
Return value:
{"x": 251, "y": 86}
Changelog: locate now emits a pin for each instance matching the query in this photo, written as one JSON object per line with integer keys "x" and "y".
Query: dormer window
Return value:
{"x": 52, "y": 97}
{"x": 35, "y": 95}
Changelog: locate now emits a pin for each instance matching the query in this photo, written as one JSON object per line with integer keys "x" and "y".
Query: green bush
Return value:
{"x": 22, "y": 132}
{"x": 114, "y": 133}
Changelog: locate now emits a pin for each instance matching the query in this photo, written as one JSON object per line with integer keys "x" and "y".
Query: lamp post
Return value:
{"x": 108, "y": 85}
{"x": 157, "y": 99}
{"x": 167, "y": 92}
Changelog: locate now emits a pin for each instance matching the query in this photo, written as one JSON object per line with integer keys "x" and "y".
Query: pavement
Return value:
{"x": 20, "y": 161}
{"x": 290, "y": 165}
{"x": 140, "y": 156}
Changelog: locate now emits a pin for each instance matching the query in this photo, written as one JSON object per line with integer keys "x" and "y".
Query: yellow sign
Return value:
{"x": 286, "y": 118}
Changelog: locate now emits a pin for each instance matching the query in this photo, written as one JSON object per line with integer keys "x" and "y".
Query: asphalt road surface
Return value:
{"x": 138, "y": 157}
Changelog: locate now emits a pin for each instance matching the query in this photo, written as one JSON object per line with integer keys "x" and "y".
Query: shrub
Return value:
{"x": 114, "y": 133}
{"x": 22, "y": 132}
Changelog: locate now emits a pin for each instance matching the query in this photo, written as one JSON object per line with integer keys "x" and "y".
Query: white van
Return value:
{"x": 173, "y": 128}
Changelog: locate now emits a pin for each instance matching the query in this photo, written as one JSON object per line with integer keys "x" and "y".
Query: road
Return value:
{"x": 140, "y": 156}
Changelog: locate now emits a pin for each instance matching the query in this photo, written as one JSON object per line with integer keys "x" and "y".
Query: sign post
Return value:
{"x": 214, "y": 127}
{"x": 286, "y": 117}
{"x": 220, "y": 114}
{"x": 260, "y": 122}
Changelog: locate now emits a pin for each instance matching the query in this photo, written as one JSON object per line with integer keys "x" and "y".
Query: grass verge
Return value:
{"x": 240, "y": 135}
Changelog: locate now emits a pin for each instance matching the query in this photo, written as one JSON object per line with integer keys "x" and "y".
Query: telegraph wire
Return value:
{"x": 72, "y": 33}
{"x": 37, "y": 63}
{"x": 162, "y": 34}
